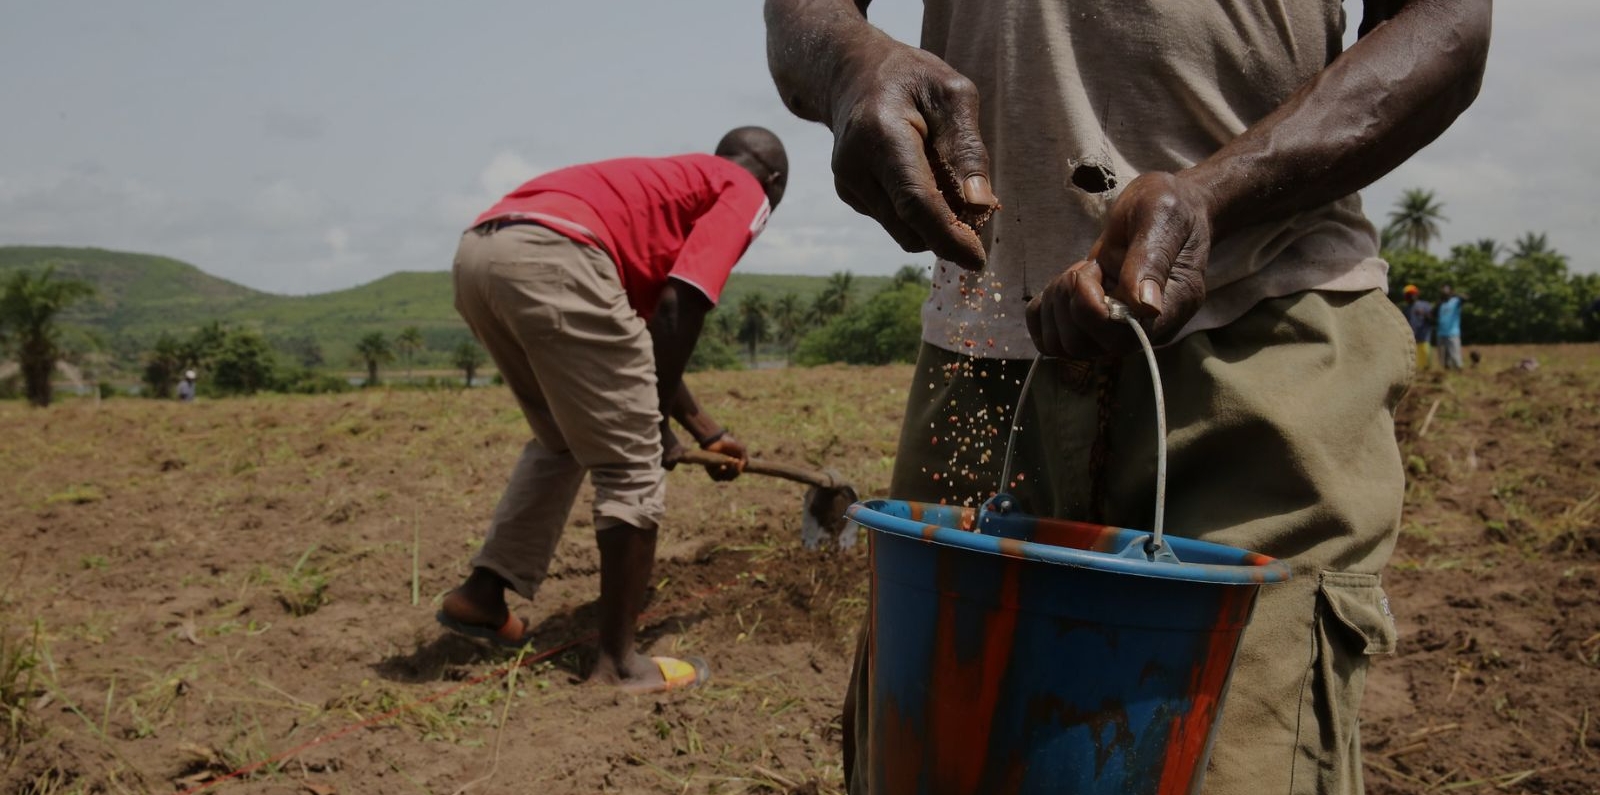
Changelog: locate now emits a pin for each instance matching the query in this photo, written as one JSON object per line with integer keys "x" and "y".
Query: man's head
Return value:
{"x": 188, "y": 375}
{"x": 758, "y": 151}
{"x": 1446, "y": 290}
{"x": 1411, "y": 292}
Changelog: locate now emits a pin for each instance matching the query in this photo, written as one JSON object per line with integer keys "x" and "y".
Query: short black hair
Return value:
{"x": 759, "y": 144}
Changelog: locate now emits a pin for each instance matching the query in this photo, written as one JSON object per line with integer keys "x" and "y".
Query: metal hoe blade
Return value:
{"x": 822, "y": 520}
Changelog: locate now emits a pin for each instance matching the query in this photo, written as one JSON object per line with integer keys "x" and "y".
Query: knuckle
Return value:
{"x": 909, "y": 200}
{"x": 871, "y": 119}
{"x": 956, "y": 86}
{"x": 1167, "y": 202}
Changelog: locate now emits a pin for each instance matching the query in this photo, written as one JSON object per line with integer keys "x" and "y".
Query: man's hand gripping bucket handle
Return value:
{"x": 1150, "y": 547}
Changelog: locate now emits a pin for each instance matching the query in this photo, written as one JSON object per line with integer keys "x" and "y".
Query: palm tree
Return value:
{"x": 1531, "y": 245}
{"x": 790, "y": 318}
{"x": 1489, "y": 247}
{"x": 911, "y": 274}
{"x": 374, "y": 350}
{"x": 754, "y": 322}
{"x": 469, "y": 357}
{"x": 29, "y": 304}
{"x": 835, "y": 297}
{"x": 1388, "y": 239}
{"x": 409, "y": 342}
{"x": 1415, "y": 218}
{"x": 725, "y": 326}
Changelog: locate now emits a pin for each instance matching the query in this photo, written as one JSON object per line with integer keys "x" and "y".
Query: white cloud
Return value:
{"x": 338, "y": 239}
{"x": 506, "y": 171}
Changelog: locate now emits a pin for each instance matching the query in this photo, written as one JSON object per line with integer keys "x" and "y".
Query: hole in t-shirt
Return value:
{"x": 1094, "y": 178}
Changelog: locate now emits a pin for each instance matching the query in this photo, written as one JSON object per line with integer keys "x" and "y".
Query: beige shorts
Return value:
{"x": 553, "y": 315}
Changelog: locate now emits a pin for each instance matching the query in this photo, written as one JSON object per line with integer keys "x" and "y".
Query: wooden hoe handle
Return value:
{"x": 775, "y": 469}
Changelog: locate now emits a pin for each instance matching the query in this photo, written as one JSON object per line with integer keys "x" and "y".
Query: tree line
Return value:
{"x": 240, "y": 361}
{"x": 1517, "y": 293}
{"x": 234, "y": 361}
{"x": 833, "y": 327}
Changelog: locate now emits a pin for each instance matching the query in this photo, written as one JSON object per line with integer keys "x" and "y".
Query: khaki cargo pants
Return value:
{"x": 1281, "y": 442}
{"x": 553, "y": 315}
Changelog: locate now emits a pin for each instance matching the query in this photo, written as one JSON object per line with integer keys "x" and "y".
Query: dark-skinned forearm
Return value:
{"x": 1392, "y": 93}
{"x": 674, "y": 330}
{"x": 686, "y": 410}
{"x": 808, "y": 42}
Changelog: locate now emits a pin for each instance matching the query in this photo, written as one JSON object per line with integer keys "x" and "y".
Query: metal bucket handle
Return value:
{"x": 1153, "y": 548}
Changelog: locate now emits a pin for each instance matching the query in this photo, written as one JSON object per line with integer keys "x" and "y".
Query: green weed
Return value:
{"x": 19, "y": 663}
{"x": 53, "y": 781}
{"x": 1576, "y": 529}
{"x": 248, "y": 745}
{"x": 76, "y": 494}
{"x": 304, "y": 590}
{"x": 1416, "y": 465}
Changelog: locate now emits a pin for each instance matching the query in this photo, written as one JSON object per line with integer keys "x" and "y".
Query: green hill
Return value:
{"x": 141, "y": 296}
{"x": 136, "y": 290}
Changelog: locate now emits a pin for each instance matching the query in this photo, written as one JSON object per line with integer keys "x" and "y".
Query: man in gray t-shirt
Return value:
{"x": 1198, "y": 162}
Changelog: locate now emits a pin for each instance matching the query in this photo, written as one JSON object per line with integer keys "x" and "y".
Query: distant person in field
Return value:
{"x": 1448, "y": 331}
{"x": 589, "y": 286}
{"x": 186, "y": 386}
{"x": 1419, "y": 314}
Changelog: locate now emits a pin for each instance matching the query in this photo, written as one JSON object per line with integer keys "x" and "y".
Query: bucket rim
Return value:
{"x": 1253, "y": 568}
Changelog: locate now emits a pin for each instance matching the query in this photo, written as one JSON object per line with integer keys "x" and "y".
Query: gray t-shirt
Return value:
{"x": 1095, "y": 93}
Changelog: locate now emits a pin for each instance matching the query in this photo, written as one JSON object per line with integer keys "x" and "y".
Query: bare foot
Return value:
{"x": 635, "y": 672}
{"x": 646, "y": 675}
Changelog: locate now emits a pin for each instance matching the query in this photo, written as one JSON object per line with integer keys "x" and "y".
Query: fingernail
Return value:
{"x": 976, "y": 190}
{"x": 1150, "y": 295}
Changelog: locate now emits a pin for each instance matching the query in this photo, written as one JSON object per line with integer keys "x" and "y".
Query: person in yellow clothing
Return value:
{"x": 1419, "y": 314}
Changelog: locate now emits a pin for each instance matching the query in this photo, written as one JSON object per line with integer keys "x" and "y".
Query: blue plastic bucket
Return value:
{"x": 1030, "y": 657}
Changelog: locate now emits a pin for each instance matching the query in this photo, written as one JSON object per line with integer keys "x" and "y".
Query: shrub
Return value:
{"x": 244, "y": 364}
{"x": 887, "y": 328}
{"x": 711, "y": 353}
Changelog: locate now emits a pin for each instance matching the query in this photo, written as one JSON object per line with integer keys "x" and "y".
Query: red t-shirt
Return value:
{"x": 688, "y": 217}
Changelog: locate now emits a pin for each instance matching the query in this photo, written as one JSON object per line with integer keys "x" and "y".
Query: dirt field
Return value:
{"x": 189, "y": 590}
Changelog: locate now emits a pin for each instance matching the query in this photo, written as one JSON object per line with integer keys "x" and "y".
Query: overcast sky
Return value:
{"x": 299, "y": 146}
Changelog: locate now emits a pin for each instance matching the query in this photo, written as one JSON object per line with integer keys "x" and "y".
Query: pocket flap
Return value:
{"x": 1360, "y": 603}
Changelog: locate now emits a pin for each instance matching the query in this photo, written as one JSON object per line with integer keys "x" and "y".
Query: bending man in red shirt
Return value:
{"x": 589, "y": 286}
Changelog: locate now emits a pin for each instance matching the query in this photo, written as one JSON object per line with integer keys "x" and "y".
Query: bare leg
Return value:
{"x": 627, "y": 556}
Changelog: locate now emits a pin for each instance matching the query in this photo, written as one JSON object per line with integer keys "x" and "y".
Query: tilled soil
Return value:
{"x": 1496, "y": 584}
{"x": 220, "y": 596}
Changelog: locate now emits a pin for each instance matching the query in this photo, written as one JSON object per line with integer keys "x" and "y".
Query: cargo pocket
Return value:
{"x": 527, "y": 296}
{"x": 1353, "y": 623}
